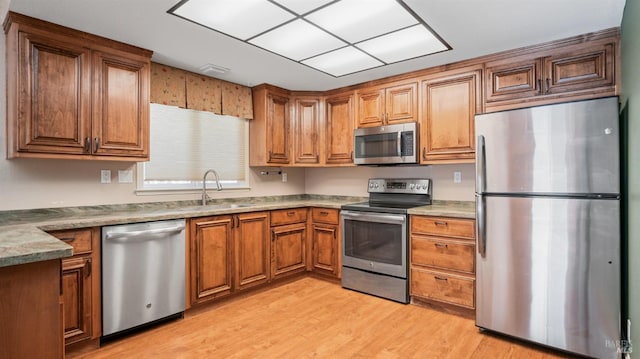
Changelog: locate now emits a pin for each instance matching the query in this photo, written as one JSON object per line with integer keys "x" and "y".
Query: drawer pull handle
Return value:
{"x": 440, "y": 223}
{"x": 441, "y": 245}
{"x": 69, "y": 239}
{"x": 440, "y": 278}
{"x": 290, "y": 214}
{"x": 324, "y": 213}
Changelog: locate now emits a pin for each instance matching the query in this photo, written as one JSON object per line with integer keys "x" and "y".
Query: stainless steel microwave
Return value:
{"x": 386, "y": 145}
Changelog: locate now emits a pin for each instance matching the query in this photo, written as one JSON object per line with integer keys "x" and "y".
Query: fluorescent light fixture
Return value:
{"x": 338, "y": 37}
{"x": 298, "y": 40}
{"x": 404, "y": 44}
{"x": 302, "y": 7}
{"x": 241, "y": 19}
{"x": 343, "y": 61}
{"x": 357, "y": 20}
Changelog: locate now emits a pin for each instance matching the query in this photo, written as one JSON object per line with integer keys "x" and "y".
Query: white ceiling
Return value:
{"x": 472, "y": 28}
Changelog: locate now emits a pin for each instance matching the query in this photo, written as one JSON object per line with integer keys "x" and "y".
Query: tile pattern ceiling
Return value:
{"x": 337, "y": 37}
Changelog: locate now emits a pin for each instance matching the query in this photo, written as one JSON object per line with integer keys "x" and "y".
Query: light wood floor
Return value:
{"x": 312, "y": 318}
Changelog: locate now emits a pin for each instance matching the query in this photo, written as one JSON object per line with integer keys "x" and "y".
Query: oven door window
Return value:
{"x": 375, "y": 242}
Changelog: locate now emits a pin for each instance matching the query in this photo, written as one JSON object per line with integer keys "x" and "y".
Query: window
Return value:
{"x": 186, "y": 143}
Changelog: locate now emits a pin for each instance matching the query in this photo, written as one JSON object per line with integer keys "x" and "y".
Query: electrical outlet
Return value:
{"x": 125, "y": 176}
{"x": 457, "y": 177}
{"x": 284, "y": 177}
{"x": 105, "y": 176}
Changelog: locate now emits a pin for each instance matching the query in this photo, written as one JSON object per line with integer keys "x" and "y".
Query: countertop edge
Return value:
{"x": 29, "y": 242}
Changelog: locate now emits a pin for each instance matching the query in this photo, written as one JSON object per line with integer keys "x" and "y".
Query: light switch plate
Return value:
{"x": 125, "y": 176}
{"x": 284, "y": 177}
{"x": 105, "y": 176}
{"x": 457, "y": 177}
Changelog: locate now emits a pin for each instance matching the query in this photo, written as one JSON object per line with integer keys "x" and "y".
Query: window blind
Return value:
{"x": 185, "y": 143}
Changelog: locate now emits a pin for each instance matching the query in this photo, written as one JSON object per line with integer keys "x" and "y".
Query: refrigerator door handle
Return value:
{"x": 481, "y": 173}
{"x": 481, "y": 225}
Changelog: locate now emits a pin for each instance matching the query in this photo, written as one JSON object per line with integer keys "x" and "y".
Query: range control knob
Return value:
{"x": 412, "y": 186}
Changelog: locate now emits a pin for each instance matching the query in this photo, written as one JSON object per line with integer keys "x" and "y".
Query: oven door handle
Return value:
{"x": 374, "y": 217}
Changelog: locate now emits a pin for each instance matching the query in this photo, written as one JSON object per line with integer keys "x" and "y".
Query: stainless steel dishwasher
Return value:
{"x": 143, "y": 274}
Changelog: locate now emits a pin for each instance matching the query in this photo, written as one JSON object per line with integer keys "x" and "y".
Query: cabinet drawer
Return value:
{"x": 79, "y": 239}
{"x": 288, "y": 216}
{"x": 448, "y": 288}
{"x": 443, "y": 226}
{"x": 443, "y": 253}
{"x": 325, "y": 215}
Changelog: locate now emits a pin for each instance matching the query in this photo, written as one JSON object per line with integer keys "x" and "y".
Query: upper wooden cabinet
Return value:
{"x": 450, "y": 101}
{"x": 307, "y": 130}
{"x": 269, "y": 131}
{"x": 560, "y": 74}
{"x": 74, "y": 95}
{"x": 338, "y": 129}
{"x": 387, "y": 105}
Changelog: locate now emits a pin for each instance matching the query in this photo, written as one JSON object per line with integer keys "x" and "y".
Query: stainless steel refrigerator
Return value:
{"x": 548, "y": 225}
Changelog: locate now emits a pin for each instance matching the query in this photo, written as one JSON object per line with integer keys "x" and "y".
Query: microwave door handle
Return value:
{"x": 399, "y": 143}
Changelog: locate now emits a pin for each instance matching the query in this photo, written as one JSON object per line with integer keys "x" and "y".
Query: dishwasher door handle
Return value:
{"x": 145, "y": 235}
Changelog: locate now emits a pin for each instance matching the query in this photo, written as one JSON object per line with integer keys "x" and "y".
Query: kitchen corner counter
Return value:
{"x": 454, "y": 209}
{"x": 26, "y": 244}
{"x": 23, "y": 237}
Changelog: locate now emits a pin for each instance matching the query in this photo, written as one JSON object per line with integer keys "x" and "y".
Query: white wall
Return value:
{"x": 351, "y": 181}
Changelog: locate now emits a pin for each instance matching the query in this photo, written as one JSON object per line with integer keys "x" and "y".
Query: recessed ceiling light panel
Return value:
{"x": 338, "y": 37}
{"x": 297, "y": 40}
{"x": 404, "y": 44}
{"x": 343, "y": 61}
{"x": 357, "y": 20}
{"x": 241, "y": 19}
{"x": 302, "y": 7}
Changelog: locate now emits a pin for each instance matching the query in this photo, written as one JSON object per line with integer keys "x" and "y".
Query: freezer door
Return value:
{"x": 569, "y": 148}
{"x": 549, "y": 272}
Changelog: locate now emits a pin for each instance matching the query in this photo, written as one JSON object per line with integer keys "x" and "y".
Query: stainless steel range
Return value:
{"x": 375, "y": 237}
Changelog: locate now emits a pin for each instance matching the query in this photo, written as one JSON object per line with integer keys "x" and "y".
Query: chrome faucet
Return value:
{"x": 204, "y": 185}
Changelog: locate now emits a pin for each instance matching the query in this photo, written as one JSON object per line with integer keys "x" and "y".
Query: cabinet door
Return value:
{"x": 580, "y": 69}
{"x": 401, "y": 104}
{"x": 252, "y": 249}
{"x": 338, "y": 139}
{"x": 513, "y": 79}
{"x": 371, "y": 109}
{"x": 307, "y": 127}
{"x": 53, "y": 113}
{"x": 288, "y": 249}
{"x": 324, "y": 244}
{"x": 120, "y": 106}
{"x": 449, "y": 107}
{"x": 76, "y": 293}
{"x": 278, "y": 120}
{"x": 211, "y": 261}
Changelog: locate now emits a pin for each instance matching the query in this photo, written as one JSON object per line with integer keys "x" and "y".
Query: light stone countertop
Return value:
{"x": 23, "y": 237}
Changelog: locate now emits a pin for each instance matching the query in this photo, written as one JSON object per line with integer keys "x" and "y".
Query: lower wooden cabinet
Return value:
{"x": 252, "y": 247}
{"x": 81, "y": 296}
{"x": 30, "y": 315}
{"x": 325, "y": 241}
{"x": 288, "y": 242}
{"x": 443, "y": 260}
{"x": 228, "y": 253}
{"x": 211, "y": 246}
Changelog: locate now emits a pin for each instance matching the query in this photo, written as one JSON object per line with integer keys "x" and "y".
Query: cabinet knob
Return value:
{"x": 97, "y": 140}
